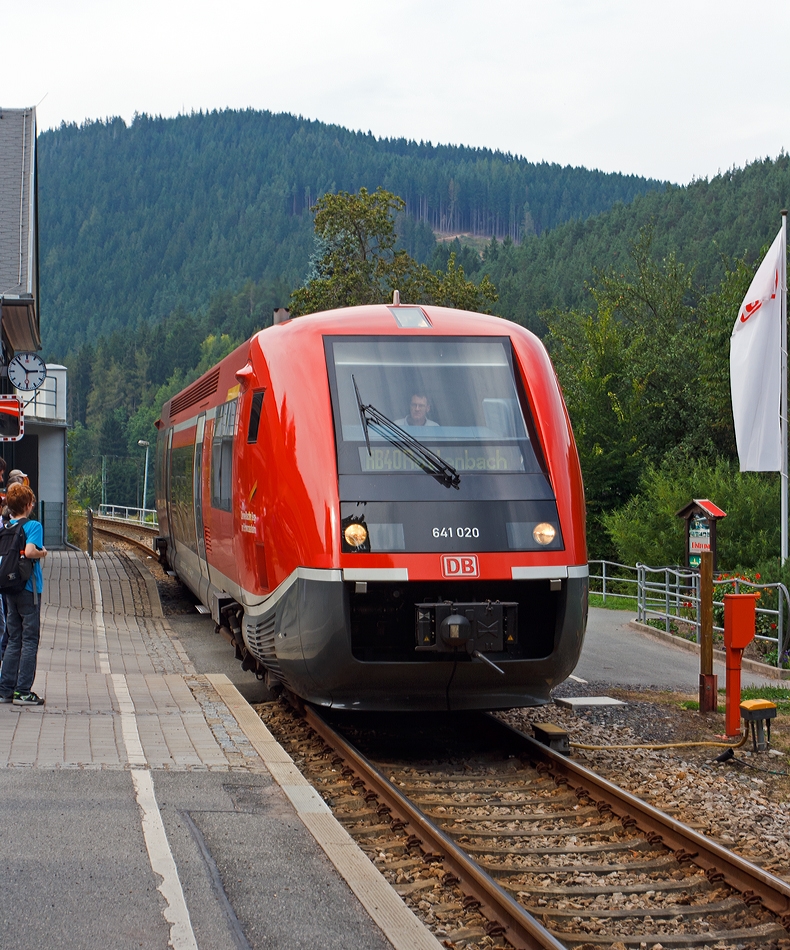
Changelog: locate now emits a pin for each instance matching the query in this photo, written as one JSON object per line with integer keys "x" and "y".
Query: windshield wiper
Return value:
{"x": 412, "y": 448}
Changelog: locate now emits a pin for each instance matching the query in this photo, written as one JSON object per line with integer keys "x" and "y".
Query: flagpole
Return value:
{"x": 784, "y": 387}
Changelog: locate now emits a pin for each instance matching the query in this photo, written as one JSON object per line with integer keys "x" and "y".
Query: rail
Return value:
{"x": 436, "y": 835}
{"x": 521, "y": 928}
{"x": 672, "y": 594}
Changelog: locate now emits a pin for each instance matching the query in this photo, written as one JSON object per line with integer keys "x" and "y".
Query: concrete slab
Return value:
{"x": 582, "y": 702}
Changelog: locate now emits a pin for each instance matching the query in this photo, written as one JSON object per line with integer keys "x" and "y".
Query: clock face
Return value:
{"x": 27, "y": 371}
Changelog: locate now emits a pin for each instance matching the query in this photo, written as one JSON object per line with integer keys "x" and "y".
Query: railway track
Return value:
{"x": 139, "y": 535}
{"x": 517, "y": 845}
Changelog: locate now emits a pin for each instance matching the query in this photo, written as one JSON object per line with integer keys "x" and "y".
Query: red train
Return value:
{"x": 383, "y": 507}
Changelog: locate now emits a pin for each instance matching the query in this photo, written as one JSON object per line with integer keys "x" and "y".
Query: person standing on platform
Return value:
{"x": 23, "y": 617}
{"x": 4, "y": 634}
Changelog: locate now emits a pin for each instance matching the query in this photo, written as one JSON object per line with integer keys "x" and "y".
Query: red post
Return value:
{"x": 739, "y": 624}
{"x": 708, "y": 682}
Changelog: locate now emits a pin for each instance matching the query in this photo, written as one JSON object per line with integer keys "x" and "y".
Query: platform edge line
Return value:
{"x": 403, "y": 929}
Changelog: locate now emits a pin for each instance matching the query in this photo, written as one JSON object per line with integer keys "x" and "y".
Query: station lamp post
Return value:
{"x": 145, "y": 479}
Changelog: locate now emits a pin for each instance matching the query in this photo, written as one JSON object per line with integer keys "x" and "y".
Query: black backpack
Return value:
{"x": 15, "y": 568}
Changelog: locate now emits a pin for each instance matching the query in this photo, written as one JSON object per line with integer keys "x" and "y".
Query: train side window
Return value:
{"x": 255, "y": 417}
{"x": 222, "y": 456}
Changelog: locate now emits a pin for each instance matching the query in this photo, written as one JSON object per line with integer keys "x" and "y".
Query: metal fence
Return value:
{"x": 51, "y": 515}
{"x": 123, "y": 513}
{"x": 672, "y": 594}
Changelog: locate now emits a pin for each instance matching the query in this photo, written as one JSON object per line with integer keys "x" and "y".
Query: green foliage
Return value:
{"x": 706, "y": 223}
{"x": 603, "y": 402}
{"x": 357, "y": 262}
{"x": 647, "y": 528}
{"x": 121, "y": 383}
{"x": 776, "y": 694}
{"x": 86, "y": 491}
{"x": 137, "y": 220}
{"x": 167, "y": 242}
{"x": 646, "y": 380}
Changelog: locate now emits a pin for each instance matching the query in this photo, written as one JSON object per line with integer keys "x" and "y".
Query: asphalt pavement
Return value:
{"x": 617, "y": 654}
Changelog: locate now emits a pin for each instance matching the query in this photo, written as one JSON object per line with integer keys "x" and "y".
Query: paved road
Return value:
{"x": 615, "y": 653}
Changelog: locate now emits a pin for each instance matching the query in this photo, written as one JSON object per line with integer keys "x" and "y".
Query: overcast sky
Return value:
{"x": 671, "y": 90}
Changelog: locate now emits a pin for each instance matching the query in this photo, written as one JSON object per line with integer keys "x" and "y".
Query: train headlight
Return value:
{"x": 355, "y": 534}
{"x": 544, "y": 533}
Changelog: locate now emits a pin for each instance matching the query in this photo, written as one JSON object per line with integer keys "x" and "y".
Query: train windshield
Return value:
{"x": 456, "y": 396}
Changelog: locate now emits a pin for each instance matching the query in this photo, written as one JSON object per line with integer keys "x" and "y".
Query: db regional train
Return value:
{"x": 382, "y": 507}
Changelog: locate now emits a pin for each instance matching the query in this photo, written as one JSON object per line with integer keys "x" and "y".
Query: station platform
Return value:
{"x": 146, "y": 804}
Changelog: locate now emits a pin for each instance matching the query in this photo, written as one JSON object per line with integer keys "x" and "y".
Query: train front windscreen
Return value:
{"x": 456, "y": 396}
{"x": 445, "y": 420}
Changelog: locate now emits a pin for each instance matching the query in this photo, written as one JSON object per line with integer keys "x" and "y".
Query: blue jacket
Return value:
{"x": 34, "y": 534}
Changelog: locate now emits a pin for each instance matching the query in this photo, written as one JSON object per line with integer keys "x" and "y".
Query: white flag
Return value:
{"x": 756, "y": 367}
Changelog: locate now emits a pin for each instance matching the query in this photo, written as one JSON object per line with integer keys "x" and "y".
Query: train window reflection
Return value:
{"x": 458, "y": 396}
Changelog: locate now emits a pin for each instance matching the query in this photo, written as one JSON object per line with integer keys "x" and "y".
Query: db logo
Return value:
{"x": 462, "y": 565}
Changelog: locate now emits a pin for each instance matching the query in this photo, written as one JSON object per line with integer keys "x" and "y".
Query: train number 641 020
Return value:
{"x": 456, "y": 532}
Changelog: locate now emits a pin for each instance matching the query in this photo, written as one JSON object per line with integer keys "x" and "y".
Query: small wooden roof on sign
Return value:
{"x": 701, "y": 505}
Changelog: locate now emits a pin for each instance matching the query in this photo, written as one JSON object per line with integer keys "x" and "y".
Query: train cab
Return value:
{"x": 386, "y": 503}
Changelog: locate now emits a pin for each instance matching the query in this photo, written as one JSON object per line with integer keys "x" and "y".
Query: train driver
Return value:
{"x": 419, "y": 408}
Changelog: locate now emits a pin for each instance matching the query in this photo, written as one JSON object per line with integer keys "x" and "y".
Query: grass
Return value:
{"x": 78, "y": 528}
{"x": 613, "y": 603}
{"x": 775, "y": 694}
{"x": 693, "y": 704}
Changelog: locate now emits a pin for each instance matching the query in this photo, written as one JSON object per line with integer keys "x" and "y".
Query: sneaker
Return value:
{"x": 27, "y": 699}
{"x": 6, "y": 699}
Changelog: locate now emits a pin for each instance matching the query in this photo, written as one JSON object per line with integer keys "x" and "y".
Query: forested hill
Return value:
{"x": 707, "y": 224}
{"x": 136, "y": 221}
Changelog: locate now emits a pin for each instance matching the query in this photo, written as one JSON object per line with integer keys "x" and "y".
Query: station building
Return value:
{"x": 40, "y": 451}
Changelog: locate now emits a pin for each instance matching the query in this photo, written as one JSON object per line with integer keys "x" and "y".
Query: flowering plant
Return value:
{"x": 747, "y": 582}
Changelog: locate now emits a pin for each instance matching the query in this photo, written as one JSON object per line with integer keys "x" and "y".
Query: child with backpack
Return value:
{"x": 21, "y": 581}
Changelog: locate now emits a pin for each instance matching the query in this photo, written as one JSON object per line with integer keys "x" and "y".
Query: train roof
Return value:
{"x": 395, "y": 319}
{"x": 371, "y": 319}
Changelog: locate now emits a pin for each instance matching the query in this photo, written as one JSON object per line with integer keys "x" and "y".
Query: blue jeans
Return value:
{"x": 4, "y": 641}
{"x": 19, "y": 660}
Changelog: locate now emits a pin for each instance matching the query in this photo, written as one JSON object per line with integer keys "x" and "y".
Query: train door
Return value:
{"x": 171, "y": 541}
{"x": 197, "y": 487}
